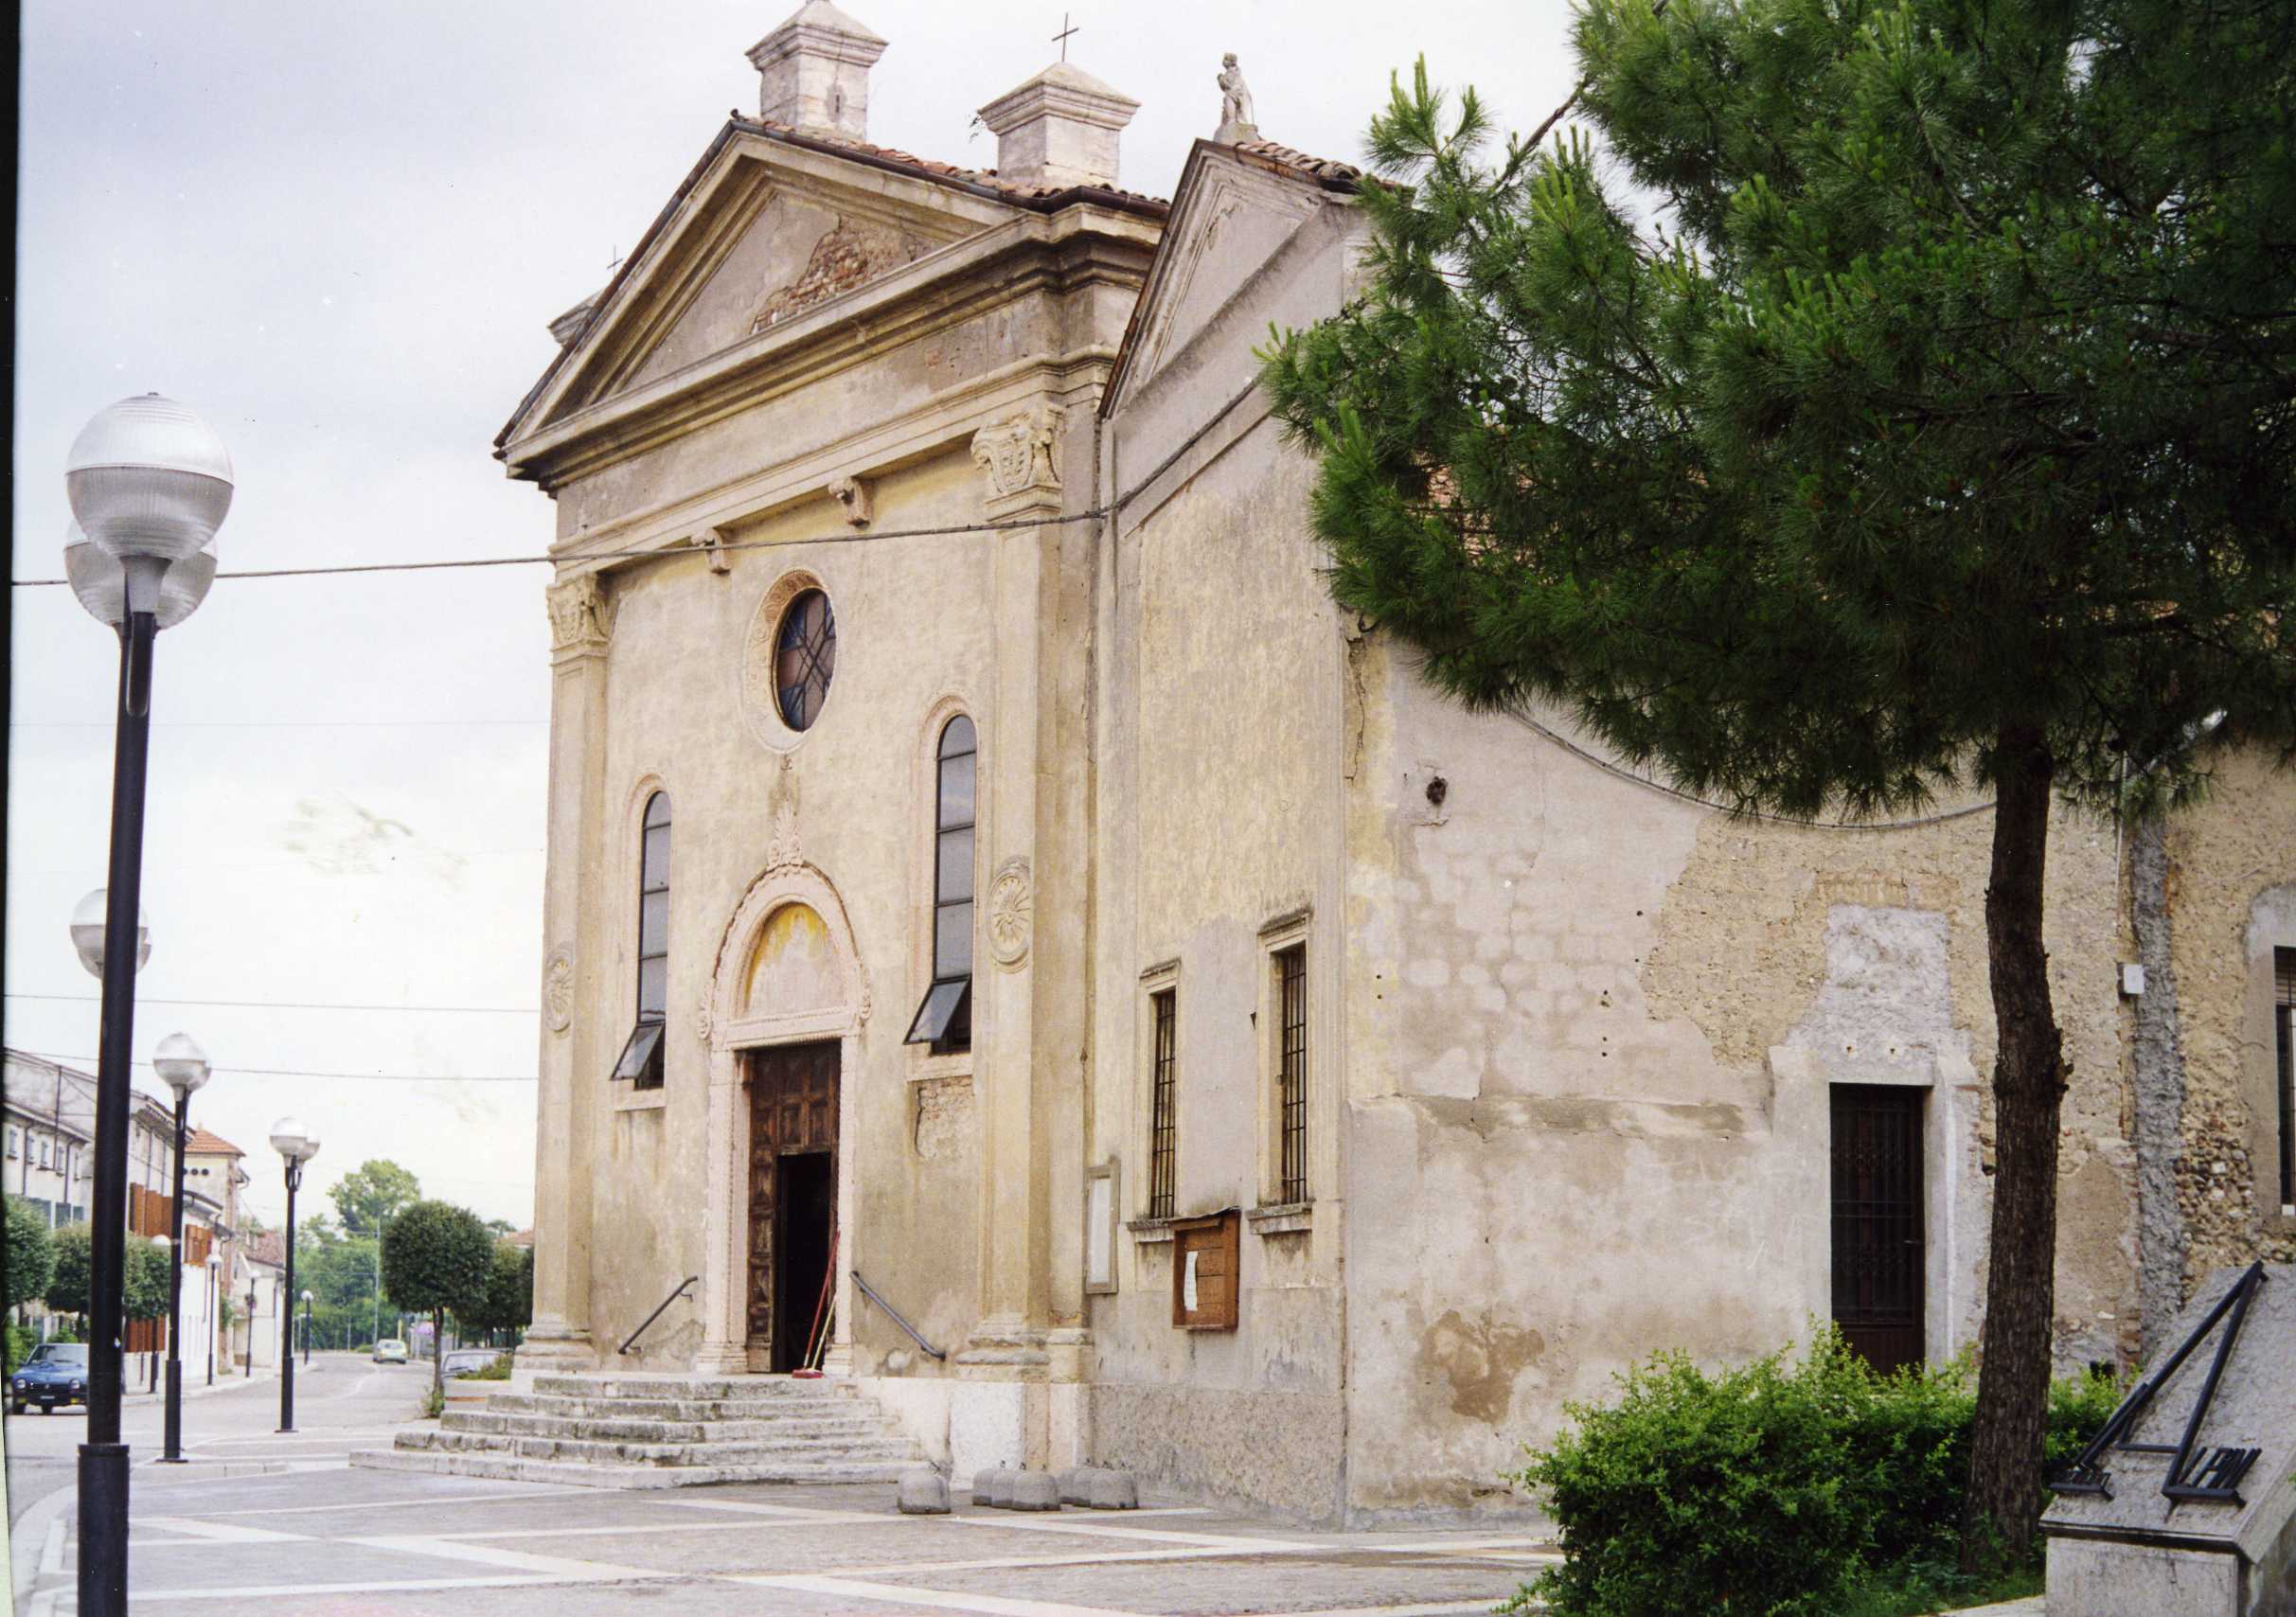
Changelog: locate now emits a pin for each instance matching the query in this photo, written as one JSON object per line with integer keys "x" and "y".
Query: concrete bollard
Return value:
{"x": 923, "y": 1492}
{"x": 983, "y": 1485}
{"x": 1000, "y": 1488}
{"x": 1111, "y": 1490}
{"x": 1072, "y": 1483}
{"x": 1035, "y": 1490}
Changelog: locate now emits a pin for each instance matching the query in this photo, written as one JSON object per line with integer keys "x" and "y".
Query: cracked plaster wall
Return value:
{"x": 2232, "y": 889}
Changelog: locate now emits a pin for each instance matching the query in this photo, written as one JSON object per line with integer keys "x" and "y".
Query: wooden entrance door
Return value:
{"x": 792, "y": 1112}
{"x": 1877, "y": 1222}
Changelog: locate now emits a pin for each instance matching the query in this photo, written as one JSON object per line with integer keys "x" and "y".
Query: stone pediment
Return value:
{"x": 1229, "y": 219}
{"x": 762, "y": 234}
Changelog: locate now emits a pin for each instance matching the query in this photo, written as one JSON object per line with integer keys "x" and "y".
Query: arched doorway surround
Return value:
{"x": 787, "y": 972}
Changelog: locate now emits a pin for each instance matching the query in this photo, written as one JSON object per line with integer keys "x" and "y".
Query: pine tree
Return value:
{"x": 1919, "y": 420}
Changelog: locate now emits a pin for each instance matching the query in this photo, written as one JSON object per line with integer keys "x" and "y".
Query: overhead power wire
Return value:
{"x": 304, "y": 1073}
{"x": 290, "y": 1004}
{"x": 1009, "y": 524}
{"x": 1648, "y": 784}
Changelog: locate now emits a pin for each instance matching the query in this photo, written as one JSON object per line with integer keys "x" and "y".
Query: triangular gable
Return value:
{"x": 763, "y": 231}
{"x": 1233, "y": 211}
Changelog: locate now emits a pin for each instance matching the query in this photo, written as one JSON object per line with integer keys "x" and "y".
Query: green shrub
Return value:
{"x": 20, "y": 1341}
{"x": 497, "y": 1371}
{"x": 1777, "y": 1489}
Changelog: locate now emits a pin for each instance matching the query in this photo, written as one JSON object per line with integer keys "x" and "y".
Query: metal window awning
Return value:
{"x": 945, "y": 1002}
{"x": 642, "y": 1054}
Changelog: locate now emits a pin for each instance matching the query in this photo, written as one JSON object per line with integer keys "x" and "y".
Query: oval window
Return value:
{"x": 805, "y": 658}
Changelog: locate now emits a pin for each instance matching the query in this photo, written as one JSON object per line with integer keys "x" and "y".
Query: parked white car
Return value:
{"x": 390, "y": 1350}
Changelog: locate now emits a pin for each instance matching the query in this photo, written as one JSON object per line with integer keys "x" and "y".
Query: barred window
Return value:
{"x": 2283, "y": 1019}
{"x": 944, "y": 1019}
{"x": 1162, "y": 1153}
{"x": 1291, "y": 1073}
{"x": 641, "y": 1059}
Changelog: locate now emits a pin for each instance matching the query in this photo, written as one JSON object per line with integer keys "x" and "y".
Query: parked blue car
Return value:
{"x": 57, "y": 1373}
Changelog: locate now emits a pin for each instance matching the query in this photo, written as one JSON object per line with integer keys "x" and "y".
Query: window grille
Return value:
{"x": 805, "y": 658}
{"x": 2284, "y": 1019}
{"x": 944, "y": 1019}
{"x": 1163, "y": 1154}
{"x": 641, "y": 1060}
{"x": 1291, "y": 1073}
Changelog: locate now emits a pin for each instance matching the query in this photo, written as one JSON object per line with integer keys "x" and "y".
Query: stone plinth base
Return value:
{"x": 2097, "y": 1579}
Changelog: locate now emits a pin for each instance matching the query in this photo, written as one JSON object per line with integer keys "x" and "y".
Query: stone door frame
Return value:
{"x": 731, "y": 1028}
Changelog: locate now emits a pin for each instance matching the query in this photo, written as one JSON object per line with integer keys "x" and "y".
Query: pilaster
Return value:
{"x": 581, "y": 626}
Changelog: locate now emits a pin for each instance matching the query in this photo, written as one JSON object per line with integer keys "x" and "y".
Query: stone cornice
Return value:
{"x": 948, "y": 420}
{"x": 1024, "y": 256}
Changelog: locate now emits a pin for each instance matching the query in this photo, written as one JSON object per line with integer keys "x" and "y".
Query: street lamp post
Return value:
{"x": 149, "y": 484}
{"x": 183, "y": 1067}
{"x": 215, "y": 1267}
{"x": 307, "y": 1330}
{"x": 296, "y": 1145}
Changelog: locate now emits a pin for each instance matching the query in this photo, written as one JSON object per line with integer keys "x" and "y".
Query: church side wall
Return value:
{"x": 1219, "y": 763}
{"x": 1592, "y": 1033}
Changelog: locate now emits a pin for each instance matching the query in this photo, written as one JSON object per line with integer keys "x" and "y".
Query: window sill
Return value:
{"x": 642, "y": 1100}
{"x": 1150, "y": 1232}
{"x": 924, "y": 1069}
{"x": 1282, "y": 1218}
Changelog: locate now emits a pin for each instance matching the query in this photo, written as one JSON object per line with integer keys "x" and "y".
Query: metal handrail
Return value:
{"x": 870, "y": 1293}
{"x": 685, "y": 1285}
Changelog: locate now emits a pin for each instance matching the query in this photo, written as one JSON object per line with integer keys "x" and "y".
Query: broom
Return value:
{"x": 816, "y": 1344}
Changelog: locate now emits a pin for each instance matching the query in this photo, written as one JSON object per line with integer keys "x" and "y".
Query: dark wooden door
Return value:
{"x": 1877, "y": 1221}
{"x": 792, "y": 1093}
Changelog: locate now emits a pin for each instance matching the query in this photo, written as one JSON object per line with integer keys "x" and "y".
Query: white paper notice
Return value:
{"x": 1100, "y": 1234}
{"x": 1187, "y": 1284}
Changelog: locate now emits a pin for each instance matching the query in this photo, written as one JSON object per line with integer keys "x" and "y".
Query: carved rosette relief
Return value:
{"x": 582, "y": 614}
{"x": 1011, "y": 903}
{"x": 1017, "y": 455}
{"x": 557, "y": 989}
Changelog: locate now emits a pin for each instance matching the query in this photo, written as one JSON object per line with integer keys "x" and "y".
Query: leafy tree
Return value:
{"x": 145, "y": 1287}
{"x": 371, "y": 1194}
{"x": 31, "y": 1252}
{"x": 436, "y": 1257}
{"x": 67, "y": 1287}
{"x": 509, "y": 1300}
{"x": 1937, "y": 433}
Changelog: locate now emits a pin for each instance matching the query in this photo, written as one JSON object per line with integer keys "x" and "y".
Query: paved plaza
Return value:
{"x": 324, "y": 1539}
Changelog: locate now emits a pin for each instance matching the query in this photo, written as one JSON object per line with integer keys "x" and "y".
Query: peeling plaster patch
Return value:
{"x": 1481, "y": 1360}
{"x": 1886, "y": 1003}
{"x": 1457, "y": 1074}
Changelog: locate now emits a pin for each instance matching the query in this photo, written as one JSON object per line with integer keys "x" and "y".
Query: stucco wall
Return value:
{"x": 2232, "y": 901}
{"x": 1222, "y": 761}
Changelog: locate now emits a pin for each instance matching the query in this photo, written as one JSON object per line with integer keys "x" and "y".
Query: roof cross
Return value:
{"x": 1062, "y": 36}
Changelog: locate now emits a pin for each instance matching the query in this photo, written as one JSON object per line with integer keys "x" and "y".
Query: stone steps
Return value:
{"x": 608, "y": 1452}
{"x": 630, "y": 1431}
{"x": 517, "y": 1424}
{"x": 574, "y": 1473}
{"x": 690, "y": 1409}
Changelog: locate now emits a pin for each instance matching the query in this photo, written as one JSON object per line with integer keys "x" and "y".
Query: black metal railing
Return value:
{"x": 894, "y": 1314}
{"x": 684, "y": 1287}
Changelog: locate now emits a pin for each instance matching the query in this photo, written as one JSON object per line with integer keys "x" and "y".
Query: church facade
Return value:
{"x": 1012, "y": 941}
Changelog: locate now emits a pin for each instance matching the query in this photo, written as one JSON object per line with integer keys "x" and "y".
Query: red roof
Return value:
{"x": 202, "y": 1144}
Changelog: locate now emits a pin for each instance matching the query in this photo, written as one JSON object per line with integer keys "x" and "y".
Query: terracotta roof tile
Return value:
{"x": 269, "y": 1247}
{"x": 930, "y": 167}
{"x": 1314, "y": 167}
{"x": 202, "y": 1144}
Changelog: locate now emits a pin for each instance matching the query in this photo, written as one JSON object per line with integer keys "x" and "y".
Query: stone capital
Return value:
{"x": 1017, "y": 456}
{"x": 581, "y": 615}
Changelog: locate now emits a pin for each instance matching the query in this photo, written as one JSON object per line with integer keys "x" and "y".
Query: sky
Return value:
{"x": 340, "y": 236}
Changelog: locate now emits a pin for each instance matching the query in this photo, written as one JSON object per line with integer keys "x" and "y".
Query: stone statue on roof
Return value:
{"x": 1234, "y": 104}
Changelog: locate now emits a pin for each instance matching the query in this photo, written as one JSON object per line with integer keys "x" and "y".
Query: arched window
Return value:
{"x": 641, "y": 1061}
{"x": 944, "y": 1019}
{"x": 805, "y": 658}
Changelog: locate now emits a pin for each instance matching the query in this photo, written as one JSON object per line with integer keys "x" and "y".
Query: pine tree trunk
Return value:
{"x": 2004, "y": 1501}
